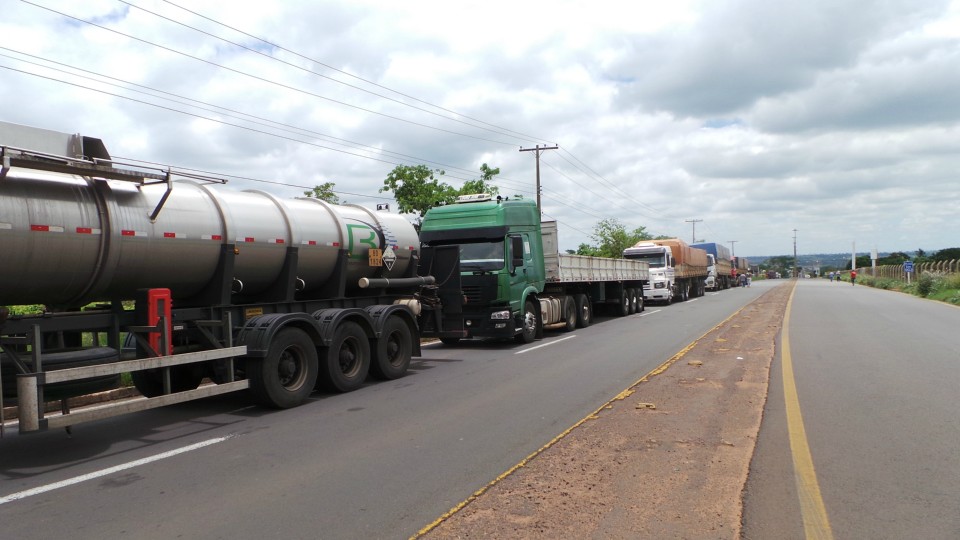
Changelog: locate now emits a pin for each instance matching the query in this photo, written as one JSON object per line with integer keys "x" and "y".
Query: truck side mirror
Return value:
{"x": 516, "y": 252}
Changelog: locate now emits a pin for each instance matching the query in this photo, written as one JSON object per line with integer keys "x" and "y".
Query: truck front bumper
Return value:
{"x": 654, "y": 293}
{"x": 480, "y": 325}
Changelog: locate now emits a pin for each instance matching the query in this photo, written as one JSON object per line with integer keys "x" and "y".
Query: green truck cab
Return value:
{"x": 501, "y": 262}
{"x": 514, "y": 278}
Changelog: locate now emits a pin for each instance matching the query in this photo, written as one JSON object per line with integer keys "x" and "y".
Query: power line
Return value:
{"x": 578, "y": 207}
{"x": 268, "y": 81}
{"x": 498, "y": 131}
{"x": 280, "y": 47}
{"x": 613, "y": 186}
{"x": 294, "y": 130}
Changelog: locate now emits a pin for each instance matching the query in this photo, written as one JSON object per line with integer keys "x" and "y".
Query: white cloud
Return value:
{"x": 836, "y": 119}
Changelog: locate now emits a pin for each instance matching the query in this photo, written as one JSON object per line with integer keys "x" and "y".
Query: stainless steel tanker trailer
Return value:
{"x": 179, "y": 281}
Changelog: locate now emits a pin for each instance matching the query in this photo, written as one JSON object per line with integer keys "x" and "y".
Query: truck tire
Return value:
{"x": 624, "y": 303}
{"x": 528, "y": 323}
{"x": 393, "y": 350}
{"x": 285, "y": 377}
{"x": 584, "y": 311}
{"x": 347, "y": 359}
{"x": 632, "y": 298}
{"x": 149, "y": 382}
{"x": 569, "y": 314}
{"x": 64, "y": 359}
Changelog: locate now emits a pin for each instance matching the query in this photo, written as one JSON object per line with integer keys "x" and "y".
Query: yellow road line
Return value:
{"x": 816, "y": 524}
{"x": 622, "y": 395}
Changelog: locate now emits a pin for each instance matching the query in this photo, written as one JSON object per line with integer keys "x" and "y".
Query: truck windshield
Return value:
{"x": 482, "y": 256}
{"x": 656, "y": 260}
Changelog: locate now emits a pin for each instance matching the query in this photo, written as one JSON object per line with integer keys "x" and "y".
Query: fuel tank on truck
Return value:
{"x": 68, "y": 240}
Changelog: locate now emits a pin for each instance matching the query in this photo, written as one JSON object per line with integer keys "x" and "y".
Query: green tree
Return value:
{"x": 324, "y": 192}
{"x": 897, "y": 257}
{"x": 948, "y": 254}
{"x": 863, "y": 261}
{"x": 482, "y": 184}
{"x": 587, "y": 249}
{"x": 417, "y": 189}
{"x": 921, "y": 257}
{"x": 612, "y": 238}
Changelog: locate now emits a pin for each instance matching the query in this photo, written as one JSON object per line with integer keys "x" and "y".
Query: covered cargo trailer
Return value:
{"x": 176, "y": 281}
{"x": 677, "y": 271}
{"x": 720, "y": 271}
{"x": 741, "y": 266}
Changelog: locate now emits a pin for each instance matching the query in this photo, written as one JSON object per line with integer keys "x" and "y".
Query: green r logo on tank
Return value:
{"x": 358, "y": 235}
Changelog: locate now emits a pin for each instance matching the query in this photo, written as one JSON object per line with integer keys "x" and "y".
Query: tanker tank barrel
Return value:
{"x": 391, "y": 283}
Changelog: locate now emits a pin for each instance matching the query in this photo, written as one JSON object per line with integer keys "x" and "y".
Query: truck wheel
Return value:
{"x": 286, "y": 376}
{"x": 584, "y": 311}
{"x": 640, "y": 305}
{"x": 632, "y": 297}
{"x": 347, "y": 359}
{"x": 149, "y": 382}
{"x": 569, "y": 314}
{"x": 624, "y": 303}
{"x": 528, "y": 323}
{"x": 394, "y": 349}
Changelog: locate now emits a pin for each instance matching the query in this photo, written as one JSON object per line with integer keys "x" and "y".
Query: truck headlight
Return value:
{"x": 659, "y": 285}
{"x": 500, "y": 315}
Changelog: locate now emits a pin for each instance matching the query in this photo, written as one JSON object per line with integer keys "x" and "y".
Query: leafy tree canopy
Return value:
{"x": 612, "y": 238}
{"x": 863, "y": 261}
{"x": 482, "y": 184}
{"x": 897, "y": 257}
{"x": 324, "y": 192}
{"x": 948, "y": 254}
{"x": 417, "y": 188}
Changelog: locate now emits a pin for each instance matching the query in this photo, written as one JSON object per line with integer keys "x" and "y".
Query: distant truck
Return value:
{"x": 514, "y": 279}
{"x": 741, "y": 266}
{"x": 677, "y": 271}
{"x": 719, "y": 266}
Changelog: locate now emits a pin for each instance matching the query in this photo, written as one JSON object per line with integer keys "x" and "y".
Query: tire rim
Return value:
{"x": 290, "y": 369}
{"x": 529, "y": 322}
{"x": 348, "y": 357}
{"x": 394, "y": 346}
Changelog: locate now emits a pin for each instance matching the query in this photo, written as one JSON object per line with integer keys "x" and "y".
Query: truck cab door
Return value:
{"x": 520, "y": 262}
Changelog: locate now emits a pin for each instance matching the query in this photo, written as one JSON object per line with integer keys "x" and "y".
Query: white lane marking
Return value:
{"x": 546, "y": 344}
{"x": 104, "y": 472}
{"x": 645, "y": 313}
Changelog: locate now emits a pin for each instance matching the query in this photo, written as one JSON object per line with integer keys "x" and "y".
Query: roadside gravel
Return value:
{"x": 667, "y": 458}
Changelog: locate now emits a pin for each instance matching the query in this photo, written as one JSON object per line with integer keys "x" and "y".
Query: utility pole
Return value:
{"x": 796, "y": 263}
{"x": 694, "y": 222}
{"x": 733, "y": 252}
{"x": 538, "y": 149}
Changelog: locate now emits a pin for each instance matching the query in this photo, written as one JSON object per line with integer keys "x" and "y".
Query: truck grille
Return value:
{"x": 474, "y": 294}
{"x": 480, "y": 290}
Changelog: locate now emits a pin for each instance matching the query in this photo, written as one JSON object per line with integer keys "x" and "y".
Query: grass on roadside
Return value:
{"x": 940, "y": 287}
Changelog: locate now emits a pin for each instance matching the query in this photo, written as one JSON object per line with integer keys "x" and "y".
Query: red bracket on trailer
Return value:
{"x": 159, "y": 304}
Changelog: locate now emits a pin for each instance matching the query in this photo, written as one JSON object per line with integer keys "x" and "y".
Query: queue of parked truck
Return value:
{"x": 167, "y": 276}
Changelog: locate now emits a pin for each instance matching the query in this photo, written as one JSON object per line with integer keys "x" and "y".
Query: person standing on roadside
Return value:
{"x": 853, "y": 277}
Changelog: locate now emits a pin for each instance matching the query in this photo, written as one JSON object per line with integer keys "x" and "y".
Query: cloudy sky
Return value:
{"x": 835, "y": 122}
